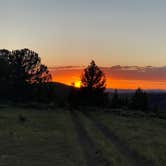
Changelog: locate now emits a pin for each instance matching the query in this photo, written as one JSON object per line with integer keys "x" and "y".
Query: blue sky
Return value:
{"x": 72, "y": 32}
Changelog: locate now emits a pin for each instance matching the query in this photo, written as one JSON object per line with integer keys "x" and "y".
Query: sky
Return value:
{"x": 118, "y": 77}
{"x": 73, "y": 32}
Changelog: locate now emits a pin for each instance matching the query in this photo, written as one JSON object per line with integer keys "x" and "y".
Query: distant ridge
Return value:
{"x": 133, "y": 90}
{"x": 61, "y": 90}
{"x": 64, "y": 87}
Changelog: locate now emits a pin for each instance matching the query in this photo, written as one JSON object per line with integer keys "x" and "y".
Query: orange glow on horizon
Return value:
{"x": 72, "y": 77}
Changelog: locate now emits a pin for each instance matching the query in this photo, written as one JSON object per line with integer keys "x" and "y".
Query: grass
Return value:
{"x": 105, "y": 147}
{"x": 146, "y": 135}
{"x": 48, "y": 138}
{"x": 45, "y": 138}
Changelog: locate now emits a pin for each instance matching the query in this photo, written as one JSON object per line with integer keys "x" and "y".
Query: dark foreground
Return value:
{"x": 75, "y": 138}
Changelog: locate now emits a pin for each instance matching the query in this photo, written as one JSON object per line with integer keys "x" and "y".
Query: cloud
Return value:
{"x": 66, "y": 68}
{"x": 147, "y": 73}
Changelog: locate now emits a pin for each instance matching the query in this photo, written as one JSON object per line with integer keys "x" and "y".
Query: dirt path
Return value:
{"x": 93, "y": 155}
{"x": 134, "y": 158}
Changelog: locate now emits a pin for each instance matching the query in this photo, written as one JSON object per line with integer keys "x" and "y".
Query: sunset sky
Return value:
{"x": 120, "y": 35}
{"x": 122, "y": 77}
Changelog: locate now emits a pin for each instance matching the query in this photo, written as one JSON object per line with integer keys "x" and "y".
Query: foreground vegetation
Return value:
{"x": 44, "y": 138}
{"x": 66, "y": 137}
{"x": 144, "y": 134}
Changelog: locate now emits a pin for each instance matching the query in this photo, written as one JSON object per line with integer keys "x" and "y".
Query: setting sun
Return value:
{"x": 77, "y": 84}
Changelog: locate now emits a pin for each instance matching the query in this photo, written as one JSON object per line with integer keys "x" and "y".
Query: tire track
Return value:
{"x": 92, "y": 154}
{"x": 134, "y": 158}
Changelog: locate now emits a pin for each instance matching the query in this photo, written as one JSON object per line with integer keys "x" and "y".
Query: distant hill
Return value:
{"x": 132, "y": 90}
{"x": 61, "y": 91}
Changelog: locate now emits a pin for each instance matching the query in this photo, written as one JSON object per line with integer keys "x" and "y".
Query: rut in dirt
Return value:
{"x": 133, "y": 157}
{"x": 92, "y": 154}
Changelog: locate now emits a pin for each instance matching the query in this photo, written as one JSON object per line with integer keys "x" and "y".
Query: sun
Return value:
{"x": 77, "y": 84}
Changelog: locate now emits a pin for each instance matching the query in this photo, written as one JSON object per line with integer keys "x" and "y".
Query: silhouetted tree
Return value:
{"x": 93, "y": 83}
{"x": 4, "y": 74}
{"x": 19, "y": 70}
{"x": 140, "y": 100}
{"x": 27, "y": 68}
{"x": 93, "y": 78}
{"x": 4, "y": 65}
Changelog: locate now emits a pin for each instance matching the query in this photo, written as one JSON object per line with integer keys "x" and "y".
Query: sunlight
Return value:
{"x": 77, "y": 84}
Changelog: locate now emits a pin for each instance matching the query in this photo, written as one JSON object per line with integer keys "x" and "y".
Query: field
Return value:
{"x": 77, "y": 138}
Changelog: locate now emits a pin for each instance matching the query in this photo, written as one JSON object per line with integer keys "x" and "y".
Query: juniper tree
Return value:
{"x": 93, "y": 78}
{"x": 93, "y": 84}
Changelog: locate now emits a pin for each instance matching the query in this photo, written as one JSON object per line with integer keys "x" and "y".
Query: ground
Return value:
{"x": 65, "y": 137}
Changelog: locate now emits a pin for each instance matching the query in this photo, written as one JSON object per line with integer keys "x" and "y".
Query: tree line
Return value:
{"x": 21, "y": 74}
{"x": 92, "y": 92}
{"x": 24, "y": 78}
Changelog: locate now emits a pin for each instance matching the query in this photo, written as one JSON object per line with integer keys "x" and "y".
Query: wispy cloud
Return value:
{"x": 148, "y": 73}
{"x": 65, "y": 68}
{"x": 124, "y": 72}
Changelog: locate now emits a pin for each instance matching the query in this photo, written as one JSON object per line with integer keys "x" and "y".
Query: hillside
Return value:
{"x": 61, "y": 90}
